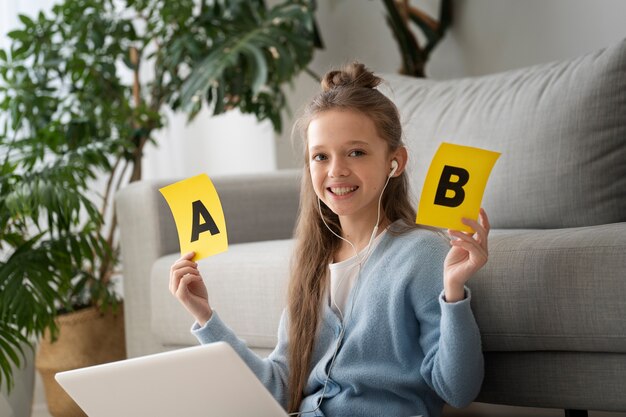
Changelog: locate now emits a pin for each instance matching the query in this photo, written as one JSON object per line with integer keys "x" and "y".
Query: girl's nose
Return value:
{"x": 338, "y": 168}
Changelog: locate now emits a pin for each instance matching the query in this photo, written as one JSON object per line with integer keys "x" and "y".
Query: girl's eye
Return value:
{"x": 357, "y": 153}
{"x": 319, "y": 157}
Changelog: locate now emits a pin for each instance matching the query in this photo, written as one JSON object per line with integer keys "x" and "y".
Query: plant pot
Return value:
{"x": 86, "y": 337}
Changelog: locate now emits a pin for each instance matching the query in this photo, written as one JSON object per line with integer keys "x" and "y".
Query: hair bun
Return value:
{"x": 352, "y": 75}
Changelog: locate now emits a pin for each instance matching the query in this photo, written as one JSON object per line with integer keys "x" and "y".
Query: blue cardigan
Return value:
{"x": 405, "y": 350}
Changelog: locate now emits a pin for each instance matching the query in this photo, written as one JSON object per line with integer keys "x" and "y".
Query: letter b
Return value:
{"x": 446, "y": 183}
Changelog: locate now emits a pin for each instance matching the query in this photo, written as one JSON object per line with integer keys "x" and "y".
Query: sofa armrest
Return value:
{"x": 553, "y": 290}
{"x": 256, "y": 207}
{"x": 551, "y": 311}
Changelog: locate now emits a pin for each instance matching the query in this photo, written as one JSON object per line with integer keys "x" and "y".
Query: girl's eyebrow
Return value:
{"x": 348, "y": 144}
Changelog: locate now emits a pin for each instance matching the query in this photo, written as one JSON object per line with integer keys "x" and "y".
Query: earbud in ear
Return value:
{"x": 394, "y": 167}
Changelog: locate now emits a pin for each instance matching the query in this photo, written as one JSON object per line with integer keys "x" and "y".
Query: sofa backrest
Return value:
{"x": 561, "y": 129}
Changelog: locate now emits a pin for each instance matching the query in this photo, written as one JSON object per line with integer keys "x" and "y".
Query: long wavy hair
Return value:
{"x": 353, "y": 87}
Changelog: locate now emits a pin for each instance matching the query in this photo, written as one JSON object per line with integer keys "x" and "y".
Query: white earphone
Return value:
{"x": 394, "y": 167}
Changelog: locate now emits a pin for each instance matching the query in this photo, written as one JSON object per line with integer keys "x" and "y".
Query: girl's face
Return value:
{"x": 349, "y": 163}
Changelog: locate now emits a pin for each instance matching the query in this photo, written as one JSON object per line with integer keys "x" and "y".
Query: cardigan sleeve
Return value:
{"x": 271, "y": 371}
{"x": 449, "y": 337}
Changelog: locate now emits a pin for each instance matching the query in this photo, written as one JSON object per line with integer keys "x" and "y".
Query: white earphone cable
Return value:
{"x": 360, "y": 262}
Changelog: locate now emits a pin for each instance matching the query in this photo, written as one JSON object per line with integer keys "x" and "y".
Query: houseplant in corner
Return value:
{"x": 73, "y": 110}
{"x": 50, "y": 230}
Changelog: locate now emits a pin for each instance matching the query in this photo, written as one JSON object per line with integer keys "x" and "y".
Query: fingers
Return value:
{"x": 189, "y": 256}
{"x": 177, "y": 276}
{"x": 468, "y": 243}
{"x": 187, "y": 285}
{"x": 180, "y": 268}
{"x": 479, "y": 240}
{"x": 482, "y": 215}
{"x": 471, "y": 246}
{"x": 480, "y": 227}
{"x": 480, "y": 235}
{"x": 184, "y": 283}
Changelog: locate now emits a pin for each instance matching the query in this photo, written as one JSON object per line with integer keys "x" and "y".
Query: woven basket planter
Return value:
{"x": 86, "y": 337}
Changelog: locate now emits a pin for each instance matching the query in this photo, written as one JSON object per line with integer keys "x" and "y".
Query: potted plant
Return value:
{"x": 73, "y": 109}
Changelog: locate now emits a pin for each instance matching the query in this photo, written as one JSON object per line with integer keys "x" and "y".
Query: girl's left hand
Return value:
{"x": 468, "y": 254}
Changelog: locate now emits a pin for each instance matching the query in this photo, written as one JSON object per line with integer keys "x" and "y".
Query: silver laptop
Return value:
{"x": 201, "y": 381}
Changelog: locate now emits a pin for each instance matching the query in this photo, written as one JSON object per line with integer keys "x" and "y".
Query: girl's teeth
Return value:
{"x": 342, "y": 190}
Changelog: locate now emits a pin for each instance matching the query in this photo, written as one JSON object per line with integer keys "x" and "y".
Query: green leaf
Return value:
{"x": 18, "y": 34}
{"x": 219, "y": 99}
{"x": 258, "y": 67}
{"x": 26, "y": 20}
{"x": 11, "y": 341}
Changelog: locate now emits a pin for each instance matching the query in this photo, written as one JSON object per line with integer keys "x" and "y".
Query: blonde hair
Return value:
{"x": 351, "y": 88}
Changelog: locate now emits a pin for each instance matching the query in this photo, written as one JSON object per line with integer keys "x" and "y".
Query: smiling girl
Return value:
{"x": 378, "y": 321}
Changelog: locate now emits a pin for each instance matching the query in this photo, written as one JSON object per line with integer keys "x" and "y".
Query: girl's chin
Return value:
{"x": 341, "y": 210}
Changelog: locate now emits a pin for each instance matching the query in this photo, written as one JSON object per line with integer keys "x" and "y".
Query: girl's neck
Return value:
{"x": 360, "y": 233}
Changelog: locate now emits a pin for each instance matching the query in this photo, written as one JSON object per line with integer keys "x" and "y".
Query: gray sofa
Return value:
{"x": 551, "y": 303}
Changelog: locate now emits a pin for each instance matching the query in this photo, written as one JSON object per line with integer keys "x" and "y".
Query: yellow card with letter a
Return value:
{"x": 198, "y": 215}
{"x": 454, "y": 186}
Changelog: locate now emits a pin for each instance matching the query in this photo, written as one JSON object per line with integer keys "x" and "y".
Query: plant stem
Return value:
{"x": 107, "y": 191}
{"x": 313, "y": 74}
{"x": 134, "y": 59}
{"x": 141, "y": 140}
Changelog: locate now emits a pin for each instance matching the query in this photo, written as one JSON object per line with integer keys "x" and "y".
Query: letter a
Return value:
{"x": 209, "y": 224}
{"x": 456, "y": 186}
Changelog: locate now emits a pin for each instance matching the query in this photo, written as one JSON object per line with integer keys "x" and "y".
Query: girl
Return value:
{"x": 378, "y": 321}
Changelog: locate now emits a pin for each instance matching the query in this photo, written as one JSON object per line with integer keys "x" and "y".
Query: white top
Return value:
{"x": 343, "y": 276}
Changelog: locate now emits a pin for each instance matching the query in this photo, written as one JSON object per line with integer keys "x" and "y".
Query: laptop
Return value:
{"x": 200, "y": 381}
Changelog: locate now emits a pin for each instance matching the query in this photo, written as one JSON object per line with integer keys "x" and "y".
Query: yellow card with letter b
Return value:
{"x": 198, "y": 215}
{"x": 454, "y": 186}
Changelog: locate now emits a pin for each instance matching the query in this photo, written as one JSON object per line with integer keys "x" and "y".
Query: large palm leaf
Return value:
{"x": 249, "y": 57}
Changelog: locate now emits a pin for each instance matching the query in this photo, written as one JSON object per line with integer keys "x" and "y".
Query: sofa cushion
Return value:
{"x": 247, "y": 287}
{"x": 561, "y": 129}
{"x": 542, "y": 290}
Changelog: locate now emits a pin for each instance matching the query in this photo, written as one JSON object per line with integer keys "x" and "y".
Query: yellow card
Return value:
{"x": 454, "y": 186}
{"x": 198, "y": 215}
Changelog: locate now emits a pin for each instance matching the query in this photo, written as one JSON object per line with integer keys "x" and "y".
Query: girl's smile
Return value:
{"x": 341, "y": 191}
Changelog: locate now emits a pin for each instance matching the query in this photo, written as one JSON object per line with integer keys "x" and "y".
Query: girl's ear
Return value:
{"x": 401, "y": 156}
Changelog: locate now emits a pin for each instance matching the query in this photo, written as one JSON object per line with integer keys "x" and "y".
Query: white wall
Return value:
{"x": 487, "y": 36}
{"x": 231, "y": 143}
{"x": 490, "y": 36}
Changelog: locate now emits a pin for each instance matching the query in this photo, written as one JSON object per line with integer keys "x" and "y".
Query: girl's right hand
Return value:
{"x": 187, "y": 286}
